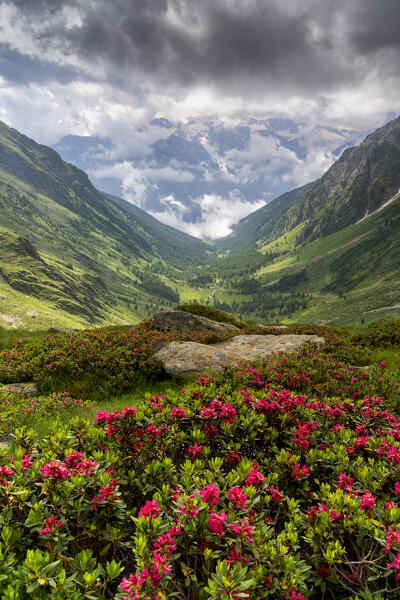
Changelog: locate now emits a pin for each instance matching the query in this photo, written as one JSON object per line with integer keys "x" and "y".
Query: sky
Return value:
{"x": 102, "y": 67}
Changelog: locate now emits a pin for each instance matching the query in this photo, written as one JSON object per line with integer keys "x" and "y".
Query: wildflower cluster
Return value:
{"x": 16, "y": 408}
{"x": 116, "y": 358}
{"x": 279, "y": 480}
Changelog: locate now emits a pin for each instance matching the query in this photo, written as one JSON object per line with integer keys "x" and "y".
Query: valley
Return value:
{"x": 72, "y": 256}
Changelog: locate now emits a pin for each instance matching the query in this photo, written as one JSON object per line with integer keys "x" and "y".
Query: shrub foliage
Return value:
{"x": 271, "y": 480}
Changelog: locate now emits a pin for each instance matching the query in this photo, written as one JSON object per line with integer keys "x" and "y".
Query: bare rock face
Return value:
{"x": 185, "y": 360}
{"x": 28, "y": 389}
{"x": 178, "y": 320}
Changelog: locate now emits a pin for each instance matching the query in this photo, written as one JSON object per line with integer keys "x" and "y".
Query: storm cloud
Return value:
{"x": 240, "y": 47}
{"x": 123, "y": 69}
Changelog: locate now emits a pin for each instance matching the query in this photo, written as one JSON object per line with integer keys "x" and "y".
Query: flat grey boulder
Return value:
{"x": 185, "y": 360}
{"x": 28, "y": 389}
{"x": 180, "y": 321}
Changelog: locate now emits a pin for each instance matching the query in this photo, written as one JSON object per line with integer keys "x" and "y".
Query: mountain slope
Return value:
{"x": 94, "y": 250}
{"x": 264, "y": 225}
{"x": 331, "y": 249}
{"x": 359, "y": 182}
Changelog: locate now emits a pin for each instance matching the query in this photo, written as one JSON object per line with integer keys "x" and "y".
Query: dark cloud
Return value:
{"x": 240, "y": 47}
{"x": 376, "y": 25}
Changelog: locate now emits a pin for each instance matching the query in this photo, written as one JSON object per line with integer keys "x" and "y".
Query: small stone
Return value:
{"x": 28, "y": 389}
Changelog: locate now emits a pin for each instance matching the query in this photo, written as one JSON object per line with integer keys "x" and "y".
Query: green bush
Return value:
{"x": 379, "y": 334}
{"x": 211, "y": 313}
{"x": 16, "y": 408}
{"x": 277, "y": 481}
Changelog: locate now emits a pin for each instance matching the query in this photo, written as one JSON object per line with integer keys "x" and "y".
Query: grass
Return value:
{"x": 7, "y": 336}
{"x": 134, "y": 398}
{"x": 390, "y": 355}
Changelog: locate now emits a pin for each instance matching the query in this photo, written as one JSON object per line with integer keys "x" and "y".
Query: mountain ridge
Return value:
{"x": 328, "y": 250}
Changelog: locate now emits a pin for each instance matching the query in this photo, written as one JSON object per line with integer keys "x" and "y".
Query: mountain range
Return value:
{"x": 202, "y": 175}
{"x": 73, "y": 256}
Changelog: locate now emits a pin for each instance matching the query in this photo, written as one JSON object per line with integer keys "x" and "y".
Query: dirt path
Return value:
{"x": 367, "y": 214}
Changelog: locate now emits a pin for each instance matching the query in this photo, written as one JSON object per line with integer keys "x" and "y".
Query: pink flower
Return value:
{"x": 395, "y": 565}
{"x": 276, "y": 495}
{"x": 392, "y": 538}
{"x": 132, "y": 585}
{"x": 190, "y": 508}
{"x": 195, "y": 450}
{"x": 312, "y": 513}
{"x": 255, "y": 477}
{"x": 150, "y": 509}
{"x": 236, "y": 556}
{"x": 335, "y": 516}
{"x": 51, "y": 525}
{"x": 178, "y": 413}
{"x": 397, "y": 488}
{"x": 4, "y": 472}
{"x": 324, "y": 571}
{"x": 167, "y": 541}
{"x": 299, "y": 472}
{"x": 233, "y": 457}
{"x": 238, "y": 497}
{"x": 128, "y": 411}
{"x": 244, "y": 530}
{"x": 296, "y": 595}
{"x": 55, "y": 470}
{"x": 210, "y": 495}
{"x": 26, "y": 462}
{"x": 367, "y": 501}
{"x": 345, "y": 482}
{"x": 215, "y": 524}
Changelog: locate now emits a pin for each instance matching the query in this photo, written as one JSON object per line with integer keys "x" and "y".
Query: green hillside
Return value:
{"x": 329, "y": 251}
{"x": 72, "y": 256}
{"x": 77, "y": 255}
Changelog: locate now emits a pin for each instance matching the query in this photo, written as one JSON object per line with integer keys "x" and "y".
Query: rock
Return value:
{"x": 278, "y": 327}
{"x": 178, "y": 320}
{"x": 190, "y": 359}
{"x": 28, "y": 389}
{"x": 59, "y": 330}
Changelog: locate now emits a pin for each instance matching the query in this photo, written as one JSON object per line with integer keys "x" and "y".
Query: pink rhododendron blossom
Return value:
{"x": 54, "y": 469}
{"x": 215, "y": 523}
{"x": 255, "y": 477}
{"x": 233, "y": 458}
{"x": 392, "y": 539}
{"x": 26, "y": 462}
{"x": 196, "y": 450}
{"x": 189, "y": 506}
{"x": 300, "y": 472}
{"x": 132, "y": 585}
{"x": 244, "y": 530}
{"x": 296, "y": 595}
{"x": 235, "y": 556}
{"x": 367, "y": 501}
{"x": 51, "y": 526}
{"x": 395, "y": 565}
{"x": 238, "y": 497}
{"x": 210, "y": 494}
{"x": 150, "y": 509}
{"x": 276, "y": 495}
{"x": 178, "y": 413}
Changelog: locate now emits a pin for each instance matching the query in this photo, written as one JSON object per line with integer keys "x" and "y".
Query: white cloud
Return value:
{"x": 218, "y": 214}
{"x": 168, "y": 174}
